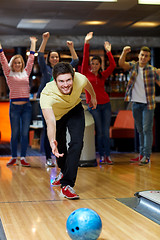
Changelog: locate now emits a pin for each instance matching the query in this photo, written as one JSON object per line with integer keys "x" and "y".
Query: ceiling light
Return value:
{"x": 93, "y": 23}
{"x": 146, "y": 24}
{"x": 33, "y": 23}
{"x": 36, "y": 21}
{"x": 151, "y": 2}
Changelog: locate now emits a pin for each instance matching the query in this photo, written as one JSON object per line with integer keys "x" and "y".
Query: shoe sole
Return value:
{"x": 143, "y": 164}
{"x": 9, "y": 165}
{"x": 70, "y": 198}
{"x": 106, "y": 163}
{"x": 20, "y": 164}
{"x": 58, "y": 185}
{"x": 49, "y": 165}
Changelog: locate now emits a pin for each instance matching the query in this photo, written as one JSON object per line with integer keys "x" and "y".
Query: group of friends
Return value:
{"x": 60, "y": 91}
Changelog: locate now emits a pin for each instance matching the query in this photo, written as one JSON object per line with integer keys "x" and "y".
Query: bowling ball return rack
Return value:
{"x": 148, "y": 204}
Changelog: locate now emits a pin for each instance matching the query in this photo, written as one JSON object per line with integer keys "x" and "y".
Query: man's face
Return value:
{"x": 65, "y": 83}
{"x": 144, "y": 58}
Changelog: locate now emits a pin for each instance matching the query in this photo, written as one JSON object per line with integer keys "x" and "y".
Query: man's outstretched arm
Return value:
{"x": 51, "y": 130}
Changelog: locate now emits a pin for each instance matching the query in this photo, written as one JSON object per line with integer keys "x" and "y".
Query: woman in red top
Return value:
{"x": 102, "y": 114}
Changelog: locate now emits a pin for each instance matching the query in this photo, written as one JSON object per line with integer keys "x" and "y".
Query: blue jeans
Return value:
{"x": 102, "y": 118}
{"x": 20, "y": 119}
{"x": 144, "y": 123}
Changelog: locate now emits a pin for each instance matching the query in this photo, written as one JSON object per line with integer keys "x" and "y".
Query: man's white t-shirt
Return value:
{"x": 138, "y": 91}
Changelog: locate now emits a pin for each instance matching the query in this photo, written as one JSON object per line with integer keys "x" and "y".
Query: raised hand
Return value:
{"x": 33, "y": 39}
{"x": 70, "y": 44}
{"x": 107, "y": 46}
{"x": 88, "y": 37}
{"x": 127, "y": 49}
{"x": 33, "y": 43}
{"x": 46, "y": 35}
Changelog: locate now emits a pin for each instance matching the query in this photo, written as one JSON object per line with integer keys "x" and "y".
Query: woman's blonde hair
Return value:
{"x": 12, "y": 60}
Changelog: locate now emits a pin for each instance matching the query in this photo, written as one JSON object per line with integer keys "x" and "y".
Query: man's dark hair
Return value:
{"x": 62, "y": 68}
{"x": 146, "y": 49}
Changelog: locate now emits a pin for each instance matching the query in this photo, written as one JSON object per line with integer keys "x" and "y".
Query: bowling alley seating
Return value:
{"x": 123, "y": 130}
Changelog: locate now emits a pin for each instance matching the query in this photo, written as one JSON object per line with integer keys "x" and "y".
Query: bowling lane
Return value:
{"x": 47, "y": 220}
{"x": 31, "y": 209}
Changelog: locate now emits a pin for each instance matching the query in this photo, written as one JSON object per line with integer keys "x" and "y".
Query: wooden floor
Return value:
{"x": 31, "y": 209}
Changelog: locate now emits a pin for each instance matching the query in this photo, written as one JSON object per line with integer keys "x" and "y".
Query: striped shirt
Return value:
{"x": 150, "y": 77}
{"x": 18, "y": 82}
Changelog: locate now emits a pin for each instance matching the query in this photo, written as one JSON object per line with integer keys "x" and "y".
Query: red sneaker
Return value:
{"x": 144, "y": 161}
{"x": 12, "y": 161}
{"x": 108, "y": 160}
{"x": 68, "y": 192}
{"x": 56, "y": 181}
{"x": 24, "y": 162}
{"x": 137, "y": 159}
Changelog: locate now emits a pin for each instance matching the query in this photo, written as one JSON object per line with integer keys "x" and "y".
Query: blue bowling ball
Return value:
{"x": 84, "y": 224}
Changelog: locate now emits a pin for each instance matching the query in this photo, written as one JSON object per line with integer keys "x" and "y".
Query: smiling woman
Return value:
{"x": 102, "y": 114}
{"x": 17, "y": 63}
{"x": 17, "y": 78}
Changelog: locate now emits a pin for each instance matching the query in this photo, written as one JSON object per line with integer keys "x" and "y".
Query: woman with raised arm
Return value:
{"x": 46, "y": 68}
{"x": 17, "y": 77}
{"x": 102, "y": 114}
